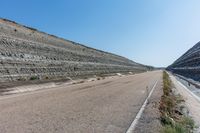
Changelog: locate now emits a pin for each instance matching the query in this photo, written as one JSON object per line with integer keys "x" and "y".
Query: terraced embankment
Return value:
{"x": 188, "y": 65}
{"x": 27, "y": 54}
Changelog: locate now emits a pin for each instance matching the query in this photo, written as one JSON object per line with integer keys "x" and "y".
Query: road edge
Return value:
{"x": 139, "y": 114}
{"x": 191, "y": 94}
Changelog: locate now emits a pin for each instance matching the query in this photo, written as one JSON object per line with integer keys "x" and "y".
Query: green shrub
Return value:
{"x": 33, "y": 78}
{"x": 188, "y": 122}
{"x": 168, "y": 129}
{"x": 177, "y": 128}
{"x": 165, "y": 120}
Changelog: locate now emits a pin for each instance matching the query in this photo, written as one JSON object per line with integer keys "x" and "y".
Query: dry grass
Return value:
{"x": 172, "y": 120}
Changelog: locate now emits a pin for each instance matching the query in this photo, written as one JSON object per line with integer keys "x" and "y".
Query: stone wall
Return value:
{"x": 27, "y": 54}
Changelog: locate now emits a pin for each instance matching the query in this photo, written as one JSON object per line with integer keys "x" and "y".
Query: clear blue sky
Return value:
{"x": 153, "y": 32}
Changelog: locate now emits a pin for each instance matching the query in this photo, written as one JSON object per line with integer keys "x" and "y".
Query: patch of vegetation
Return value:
{"x": 98, "y": 78}
{"x": 21, "y": 79}
{"x": 46, "y": 77}
{"x": 33, "y": 78}
{"x": 172, "y": 120}
{"x": 30, "y": 28}
{"x": 9, "y": 21}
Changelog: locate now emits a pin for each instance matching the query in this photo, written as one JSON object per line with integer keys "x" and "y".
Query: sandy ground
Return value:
{"x": 105, "y": 106}
{"x": 192, "y": 103}
{"x": 150, "y": 119}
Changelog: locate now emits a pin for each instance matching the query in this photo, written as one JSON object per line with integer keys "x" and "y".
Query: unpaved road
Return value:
{"x": 103, "y": 106}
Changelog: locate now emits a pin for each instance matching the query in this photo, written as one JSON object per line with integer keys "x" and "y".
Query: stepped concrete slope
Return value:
{"x": 28, "y": 54}
{"x": 188, "y": 65}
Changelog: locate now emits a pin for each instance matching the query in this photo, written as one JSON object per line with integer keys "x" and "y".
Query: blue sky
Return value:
{"x": 151, "y": 32}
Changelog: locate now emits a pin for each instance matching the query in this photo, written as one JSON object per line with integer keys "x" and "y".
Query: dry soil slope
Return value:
{"x": 26, "y": 53}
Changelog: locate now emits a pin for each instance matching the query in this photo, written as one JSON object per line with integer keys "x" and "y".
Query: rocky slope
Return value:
{"x": 188, "y": 65}
{"x": 28, "y": 54}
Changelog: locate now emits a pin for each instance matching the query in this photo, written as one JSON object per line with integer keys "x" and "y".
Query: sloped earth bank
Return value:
{"x": 30, "y": 55}
{"x": 150, "y": 119}
{"x": 192, "y": 103}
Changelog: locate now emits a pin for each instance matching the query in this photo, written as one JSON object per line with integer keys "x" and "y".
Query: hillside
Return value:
{"x": 188, "y": 64}
{"x": 28, "y": 54}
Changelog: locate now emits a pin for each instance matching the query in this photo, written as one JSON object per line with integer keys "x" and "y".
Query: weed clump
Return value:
{"x": 33, "y": 78}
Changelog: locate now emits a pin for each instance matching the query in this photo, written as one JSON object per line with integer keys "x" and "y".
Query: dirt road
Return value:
{"x": 103, "y": 106}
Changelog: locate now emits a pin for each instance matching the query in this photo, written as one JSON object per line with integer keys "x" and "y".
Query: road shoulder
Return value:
{"x": 150, "y": 119}
{"x": 191, "y": 102}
